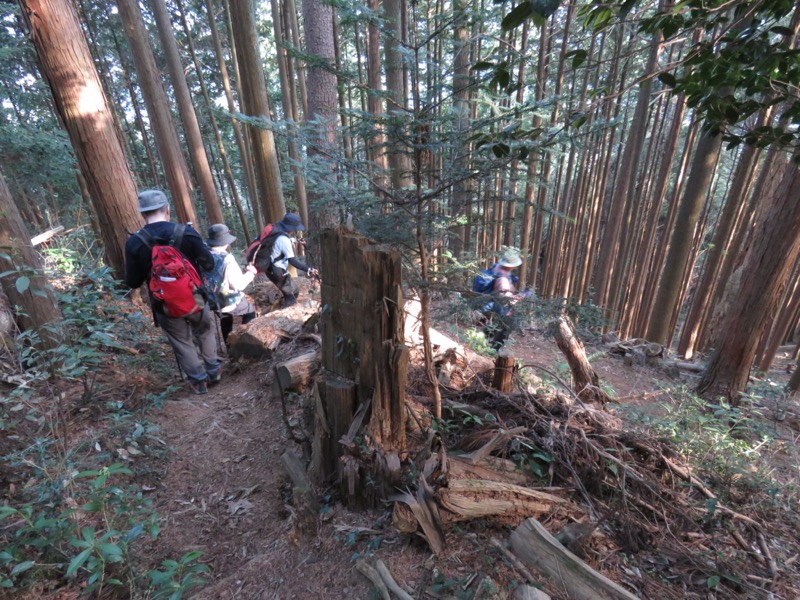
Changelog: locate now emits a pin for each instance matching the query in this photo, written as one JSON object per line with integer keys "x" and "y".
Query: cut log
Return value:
{"x": 491, "y": 469}
{"x": 46, "y": 236}
{"x": 585, "y": 380}
{"x": 503, "y": 372}
{"x": 295, "y": 373}
{"x": 536, "y": 548}
{"x": 261, "y": 337}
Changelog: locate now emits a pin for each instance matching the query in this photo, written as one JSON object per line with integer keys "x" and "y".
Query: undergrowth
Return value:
{"x": 71, "y": 510}
{"x": 729, "y": 446}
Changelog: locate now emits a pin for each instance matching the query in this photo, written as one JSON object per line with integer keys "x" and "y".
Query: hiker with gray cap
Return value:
{"x": 190, "y": 329}
{"x": 283, "y": 255}
{"x": 227, "y": 281}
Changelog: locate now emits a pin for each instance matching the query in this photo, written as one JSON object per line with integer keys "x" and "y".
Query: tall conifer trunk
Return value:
{"x": 67, "y": 66}
{"x": 776, "y": 242}
{"x": 191, "y": 128}
{"x": 163, "y": 128}
{"x": 254, "y": 100}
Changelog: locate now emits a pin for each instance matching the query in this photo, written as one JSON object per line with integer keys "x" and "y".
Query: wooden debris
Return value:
{"x": 46, "y": 236}
{"x": 261, "y": 337}
{"x": 536, "y": 548}
{"x": 295, "y": 373}
{"x": 515, "y": 562}
{"x": 585, "y": 380}
{"x": 528, "y": 592}
{"x": 386, "y": 575}
{"x": 472, "y": 499}
{"x": 424, "y": 514}
{"x": 305, "y": 501}
{"x": 370, "y": 573}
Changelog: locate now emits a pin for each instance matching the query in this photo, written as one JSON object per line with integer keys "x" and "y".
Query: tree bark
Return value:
{"x": 322, "y": 107}
{"x": 27, "y": 288}
{"x": 255, "y": 104}
{"x": 67, "y": 67}
{"x": 155, "y": 98}
{"x": 680, "y": 245}
{"x": 191, "y": 128}
{"x": 776, "y": 241}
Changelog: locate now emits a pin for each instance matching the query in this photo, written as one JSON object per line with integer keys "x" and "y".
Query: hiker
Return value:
{"x": 227, "y": 281}
{"x": 176, "y": 296}
{"x": 499, "y": 280}
{"x": 282, "y": 255}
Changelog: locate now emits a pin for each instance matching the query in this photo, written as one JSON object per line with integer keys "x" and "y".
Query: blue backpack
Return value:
{"x": 212, "y": 282}
{"x": 484, "y": 281}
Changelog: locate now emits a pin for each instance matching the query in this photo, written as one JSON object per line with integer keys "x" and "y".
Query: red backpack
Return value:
{"x": 259, "y": 253}
{"x": 174, "y": 283}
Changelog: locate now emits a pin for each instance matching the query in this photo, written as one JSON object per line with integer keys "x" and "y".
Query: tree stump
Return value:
{"x": 362, "y": 341}
{"x": 503, "y": 372}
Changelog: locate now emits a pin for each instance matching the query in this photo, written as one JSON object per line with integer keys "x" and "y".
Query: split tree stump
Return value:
{"x": 362, "y": 343}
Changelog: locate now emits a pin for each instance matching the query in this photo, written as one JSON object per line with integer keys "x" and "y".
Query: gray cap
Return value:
{"x": 152, "y": 200}
{"x": 219, "y": 235}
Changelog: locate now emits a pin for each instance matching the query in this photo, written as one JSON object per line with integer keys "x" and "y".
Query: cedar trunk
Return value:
{"x": 191, "y": 128}
{"x": 36, "y": 300}
{"x": 255, "y": 104}
{"x": 155, "y": 98}
{"x": 774, "y": 251}
{"x": 67, "y": 66}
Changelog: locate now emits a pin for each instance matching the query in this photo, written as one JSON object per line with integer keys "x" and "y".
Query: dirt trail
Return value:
{"x": 224, "y": 493}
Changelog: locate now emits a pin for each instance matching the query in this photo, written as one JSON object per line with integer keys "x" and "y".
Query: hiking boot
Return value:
{"x": 289, "y": 301}
{"x": 198, "y": 387}
{"x": 215, "y": 376}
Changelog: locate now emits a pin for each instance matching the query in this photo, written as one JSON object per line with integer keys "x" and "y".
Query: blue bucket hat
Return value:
{"x": 291, "y": 222}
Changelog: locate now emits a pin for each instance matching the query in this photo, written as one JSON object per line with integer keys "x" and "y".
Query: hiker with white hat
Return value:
{"x": 499, "y": 281}
{"x": 227, "y": 281}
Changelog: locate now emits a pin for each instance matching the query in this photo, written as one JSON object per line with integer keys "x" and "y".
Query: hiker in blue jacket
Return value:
{"x": 199, "y": 361}
{"x": 498, "y": 326}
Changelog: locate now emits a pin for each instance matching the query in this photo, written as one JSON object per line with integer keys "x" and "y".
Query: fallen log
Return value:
{"x": 536, "y": 548}
{"x": 261, "y": 337}
{"x": 467, "y": 499}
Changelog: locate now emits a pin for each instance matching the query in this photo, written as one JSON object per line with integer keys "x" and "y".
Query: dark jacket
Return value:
{"x": 138, "y": 255}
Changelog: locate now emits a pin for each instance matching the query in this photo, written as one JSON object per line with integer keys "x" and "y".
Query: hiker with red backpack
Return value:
{"x": 168, "y": 256}
{"x": 273, "y": 252}
{"x": 227, "y": 281}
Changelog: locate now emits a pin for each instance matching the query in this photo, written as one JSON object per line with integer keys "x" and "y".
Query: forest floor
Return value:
{"x": 212, "y": 469}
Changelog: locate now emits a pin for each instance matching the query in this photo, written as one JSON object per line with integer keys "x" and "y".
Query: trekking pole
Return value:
{"x": 218, "y": 331}
{"x": 180, "y": 370}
